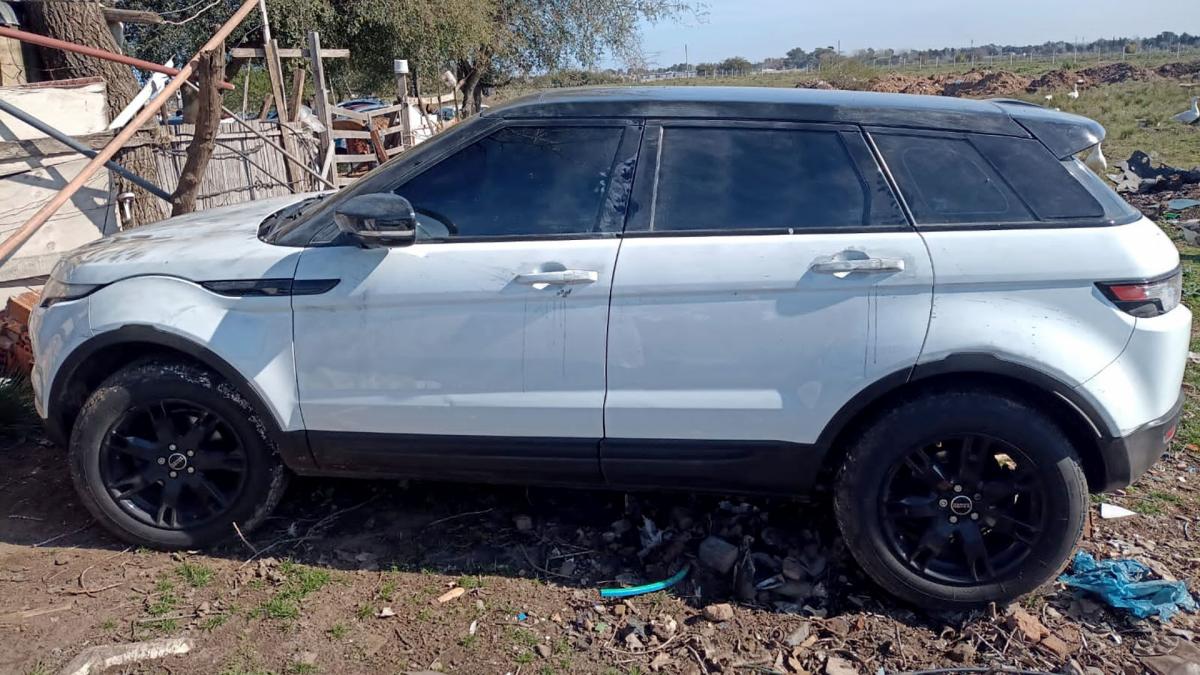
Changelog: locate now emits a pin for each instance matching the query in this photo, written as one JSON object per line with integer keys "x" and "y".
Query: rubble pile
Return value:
{"x": 16, "y": 352}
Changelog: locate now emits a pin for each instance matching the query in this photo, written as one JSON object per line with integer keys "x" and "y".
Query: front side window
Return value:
{"x": 518, "y": 181}
{"x": 716, "y": 178}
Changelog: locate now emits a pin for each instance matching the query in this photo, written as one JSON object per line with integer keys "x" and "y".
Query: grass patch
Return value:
{"x": 17, "y": 415}
{"x": 1155, "y": 502}
{"x": 338, "y": 631}
{"x": 299, "y": 583}
{"x": 470, "y": 582}
{"x": 214, "y": 622}
{"x": 195, "y": 574}
{"x": 165, "y": 599}
{"x": 468, "y": 641}
{"x": 387, "y": 590}
{"x": 365, "y": 612}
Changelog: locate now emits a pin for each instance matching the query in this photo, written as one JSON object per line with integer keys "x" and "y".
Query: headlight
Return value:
{"x": 58, "y": 291}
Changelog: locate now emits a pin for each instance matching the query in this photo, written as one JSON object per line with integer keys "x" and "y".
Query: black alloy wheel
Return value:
{"x": 955, "y": 498}
{"x": 173, "y": 464}
{"x": 963, "y": 510}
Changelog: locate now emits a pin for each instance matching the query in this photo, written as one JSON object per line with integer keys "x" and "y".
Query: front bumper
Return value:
{"x": 1128, "y": 457}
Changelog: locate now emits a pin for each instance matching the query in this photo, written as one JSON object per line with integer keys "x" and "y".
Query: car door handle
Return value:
{"x": 863, "y": 265}
{"x": 559, "y": 277}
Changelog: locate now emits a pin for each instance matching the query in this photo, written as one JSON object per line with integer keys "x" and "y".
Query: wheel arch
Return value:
{"x": 1083, "y": 424}
{"x": 102, "y": 355}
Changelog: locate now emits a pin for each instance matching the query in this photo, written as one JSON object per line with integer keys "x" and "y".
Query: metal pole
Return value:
{"x": 82, "y": 149}
{"x": 22, "y": 234}
{"x": 34, "y": 38}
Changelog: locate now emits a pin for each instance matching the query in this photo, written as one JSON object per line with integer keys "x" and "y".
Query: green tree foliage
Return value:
{"x": 478, "y": 40}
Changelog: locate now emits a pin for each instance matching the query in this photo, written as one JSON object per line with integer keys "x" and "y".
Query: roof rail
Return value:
{"x": 1015, "y": 101}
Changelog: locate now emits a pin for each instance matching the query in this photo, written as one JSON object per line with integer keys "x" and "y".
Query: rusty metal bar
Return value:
{"x": 43, "y": 214}
{"x": 44, "y": 41}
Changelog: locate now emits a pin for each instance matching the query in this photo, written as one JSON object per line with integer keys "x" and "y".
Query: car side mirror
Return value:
{"x": 382, "y": 219}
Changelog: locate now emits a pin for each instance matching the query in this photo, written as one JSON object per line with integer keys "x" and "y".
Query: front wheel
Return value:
{"x": 961, "y": 498}
{"x": 169, "y": 455}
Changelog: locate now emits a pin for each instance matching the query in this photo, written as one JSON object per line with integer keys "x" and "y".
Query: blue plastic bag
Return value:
{"x": 1124, "y": 584}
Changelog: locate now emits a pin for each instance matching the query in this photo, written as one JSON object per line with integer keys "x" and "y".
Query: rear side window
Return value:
{"x": 719, "y": 178}
{"x": 946, "y": 180}
{"x": 519, "y": 181}
{"x": 1041, "y": 180}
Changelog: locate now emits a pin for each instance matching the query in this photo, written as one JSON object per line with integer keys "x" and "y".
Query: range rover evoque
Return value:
{"x": 929, "y": 308}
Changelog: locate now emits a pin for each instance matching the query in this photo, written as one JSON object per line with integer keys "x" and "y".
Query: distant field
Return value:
{"x": 1136, "y": 114}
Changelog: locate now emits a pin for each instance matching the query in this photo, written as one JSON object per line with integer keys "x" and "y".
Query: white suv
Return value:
{"x": 926, "y": 307}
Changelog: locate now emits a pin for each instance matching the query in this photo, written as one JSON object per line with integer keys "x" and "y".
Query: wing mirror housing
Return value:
{"x": 378, "y": 220}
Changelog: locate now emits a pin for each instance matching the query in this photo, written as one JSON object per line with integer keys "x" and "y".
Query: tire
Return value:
{"x": 130, "y": 445}
{"x": 1024, "y": 499}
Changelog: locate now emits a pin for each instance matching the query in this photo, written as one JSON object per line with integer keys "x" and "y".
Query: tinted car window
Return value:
{"x": 517, "y": 181}
{"x": 734, "y": 179}
{"x": 946, "y": 180}
{"x": 1038, "y": 177}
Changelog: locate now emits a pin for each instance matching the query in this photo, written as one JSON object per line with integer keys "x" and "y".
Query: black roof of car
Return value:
{"x": 806, "y": 105}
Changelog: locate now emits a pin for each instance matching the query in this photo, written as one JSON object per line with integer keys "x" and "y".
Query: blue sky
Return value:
{"x": 757, "y": 29}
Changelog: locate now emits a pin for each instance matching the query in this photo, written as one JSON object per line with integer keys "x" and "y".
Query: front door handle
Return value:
{"x": 558, "y": 278}
{"x": 861, "y": 265}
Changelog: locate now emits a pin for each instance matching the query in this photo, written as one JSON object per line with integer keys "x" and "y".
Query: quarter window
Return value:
{"x": 754, "y": 179}
{"x": 518, "y": 181}
{"x": 945, "y": 180}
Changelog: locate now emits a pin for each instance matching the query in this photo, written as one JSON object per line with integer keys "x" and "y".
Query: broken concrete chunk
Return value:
{"x": 1110, "y": 511}
{"x": 99, "y": 659}
{"x": 719, "y": 612}
{"x": 718, "y": 554}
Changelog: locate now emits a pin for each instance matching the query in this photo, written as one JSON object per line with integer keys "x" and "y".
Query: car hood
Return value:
{"x": 210, "y": 245}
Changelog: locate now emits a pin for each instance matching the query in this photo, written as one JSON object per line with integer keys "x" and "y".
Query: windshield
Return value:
{"x": 299, "y": 228}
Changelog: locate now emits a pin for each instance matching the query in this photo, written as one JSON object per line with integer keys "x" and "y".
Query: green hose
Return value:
{"x": 645, "y": 588}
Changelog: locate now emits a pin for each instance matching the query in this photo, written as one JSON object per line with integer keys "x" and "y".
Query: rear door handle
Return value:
{"x": 863, "y": 265}
{"x": 558, "y": 278}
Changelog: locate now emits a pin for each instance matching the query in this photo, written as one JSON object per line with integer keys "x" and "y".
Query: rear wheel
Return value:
{"x": 169, "y": 455}
{"x": 957, "y": 499}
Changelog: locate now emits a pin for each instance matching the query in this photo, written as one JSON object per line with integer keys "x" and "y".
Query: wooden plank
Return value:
{"x": 321, "y": 98}
{"x": 431, "y": 100}
{"x": 352, "y": 114}
{"x": 258, "y": 53}
{"x": 266, "y": 106}
{"x": 115, "y": 15}
{"x": 344, "y": 133}
{"x": 377, "y": 145}
{"x": 354, "y": 159}
{"x": 393, "y": 130}
{"x": 299, "y": 76}
{"x": 48, "y": 147}
{"x": 385, "y": 111}
{"x": 275, "y": 73}
{"x": 392, "y": 152}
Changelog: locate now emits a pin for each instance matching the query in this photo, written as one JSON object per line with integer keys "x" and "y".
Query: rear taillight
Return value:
{"x": 1145, "y": 298}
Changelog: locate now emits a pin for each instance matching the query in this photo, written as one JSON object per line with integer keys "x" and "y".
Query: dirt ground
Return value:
{"x": 347, "y": 578}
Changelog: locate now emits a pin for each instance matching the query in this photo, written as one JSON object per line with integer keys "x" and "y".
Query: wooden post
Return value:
{"x": 298, "y": 78}
{"x": 22, "y": 234}
{"x": 266, "y": 106}
{"x": 321, "y": 98}
{"x": 208, "y": 119}
{"x": 275, "y": 72}
{"x": 400, "y": 67}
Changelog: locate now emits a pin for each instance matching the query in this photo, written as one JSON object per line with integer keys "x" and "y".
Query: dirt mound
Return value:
{"x": 1112, "y": 73}
{"x": 987, "y": 83}
{"x": 1055, "y": 79}
{"x": 813, "y": 84}
{"x": 897, "y": 83}
{"x": 1179, "y": 69}
{"x": 972, "y": 83}
{"x": 1109, "y": 73}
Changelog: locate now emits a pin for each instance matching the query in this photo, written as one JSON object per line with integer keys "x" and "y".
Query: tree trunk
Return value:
{"x": 208, "y": 118}
{"x": 471, "y": 74}
{"x": 83, "y": 23}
